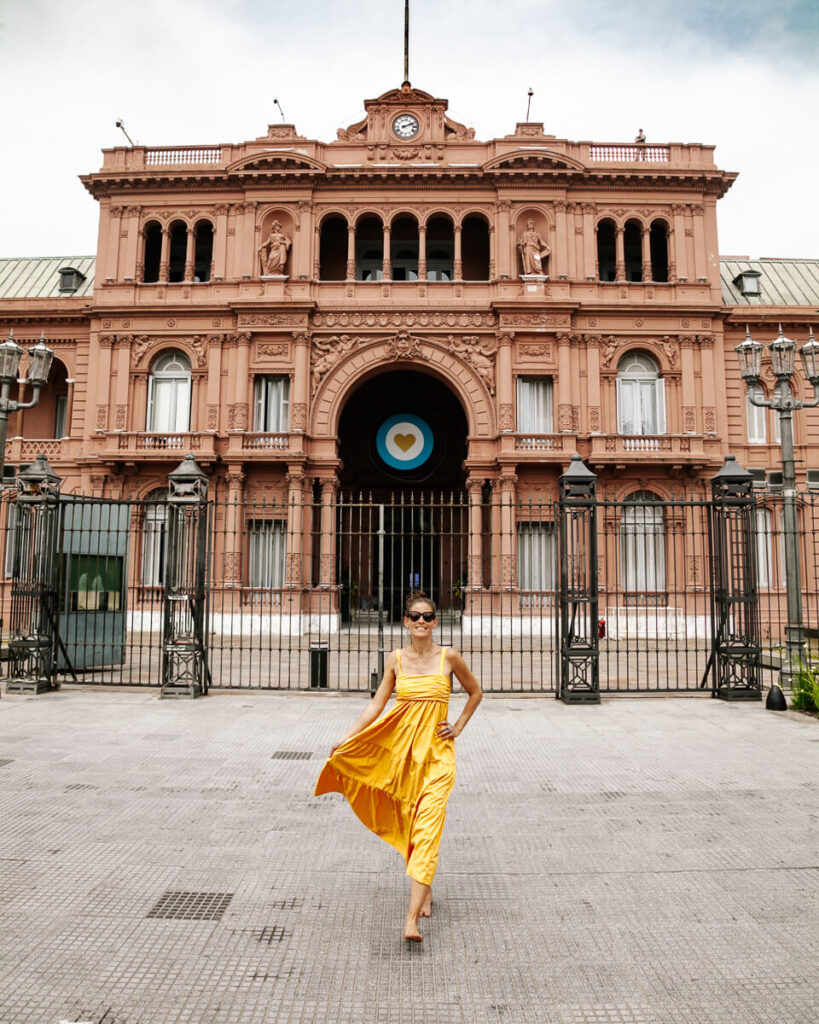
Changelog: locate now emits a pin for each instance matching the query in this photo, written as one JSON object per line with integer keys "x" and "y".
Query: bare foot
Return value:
{"x": 426, "y": 910}
{"x": 411, "y": 932}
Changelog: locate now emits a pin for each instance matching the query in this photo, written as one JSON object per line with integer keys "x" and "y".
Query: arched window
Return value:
{"x": 440, "y": 249}
{"x": 606, "y": 251}
{"x": 633, "y": 250}
{"x": 369, "y": 249}
{"x": 404, "y": 249}
{"x": 475, "y": 248}
{"x": 154, "y": 525}
{"x": 333, "y": 249}
{"x": 177, "y": 251}
{"x": 152, "y": 233}
{"x": 658, "y": 245}
{"x": 642, "y": 545}
{"x": 203, "y": 251}
{"x": 169, "y": 394}
{"x": 640, "y": 395}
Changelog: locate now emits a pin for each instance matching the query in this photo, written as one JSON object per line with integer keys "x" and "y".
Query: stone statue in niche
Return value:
{"x": 533, "y": 250}
{"x": 273, "y": 251}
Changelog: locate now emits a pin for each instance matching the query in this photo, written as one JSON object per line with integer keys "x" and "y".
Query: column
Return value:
{"x": 494, "y": 533}
{"x": 492, "y": 254}
{"x": 214, "y": 381}
{"x": 123, "y": 364}
{"x": 645, "y": 236}
{"x": 112, "y": 256}
{"x": 474, "y": 488}
{"x": 189, "y": 254}
{"x": 308, "y": 523}
{"x": 69, "y": 407}
{"x": 505, "y": 385}
{"x": 386, "y": 265}
{"x": 139, "y": 269}
{"x": 350, "y": 252}
{"x": 564, "y": 384}
{"x": 508, "y": 481}
{"x": 164, "y": 256}
{"x": 560, "y": 256}
{"x": 503, "y": 266}
{"x": 709, "y": 405}
{"x": 422, "y": 252}
{"x": 591, "y": 270}
{"x": 295, "y": 521}
{"x": 619, "y": 254}
{"x": 699, "y": 243}
{"x": 104, "y": 396}
{"x": 672, "y": 255}
{"x": 234, "y": 528}
{"x": 679, "y": 258}
{"x": 242, "y": 383}
{"x": 458, "y": 266}
{"x": 327, "y": 562}
{"x": 593, "y": 384}
{"x": 687, "y": 384}
{"x": 220, "y": 241}
{"x": 301, "y": 382}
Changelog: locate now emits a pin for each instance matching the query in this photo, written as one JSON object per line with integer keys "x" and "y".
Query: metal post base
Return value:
{"x": 735, "y": 694}
{"x": 31, "y": 687}
{"x": 580, "y": 697}
{"x": 189, "y": 692}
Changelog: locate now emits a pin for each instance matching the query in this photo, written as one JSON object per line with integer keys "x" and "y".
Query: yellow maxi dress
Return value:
{"x": 397, "y": 773}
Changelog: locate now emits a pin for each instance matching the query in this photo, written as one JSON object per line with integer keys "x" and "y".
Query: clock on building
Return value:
{"x": 405, "y": 126}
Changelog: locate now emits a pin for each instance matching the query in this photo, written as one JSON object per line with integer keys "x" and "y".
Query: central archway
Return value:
{"x": 402, "y": 444}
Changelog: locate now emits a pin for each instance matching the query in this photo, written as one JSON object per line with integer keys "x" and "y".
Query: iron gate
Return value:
{"x": 307, "y": 593}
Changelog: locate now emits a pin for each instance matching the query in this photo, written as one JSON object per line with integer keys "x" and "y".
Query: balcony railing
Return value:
{"x": 183, "y": 155}
{"x": 539, "y": 442}
{"x": 667, "y": 446}
{"x": 278, "y": 442}
{"x": 638, "y": 153}
{"x": 173, "y": 444}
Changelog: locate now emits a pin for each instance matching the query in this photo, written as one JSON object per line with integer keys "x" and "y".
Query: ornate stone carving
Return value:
{"x": 200, "y": 348}
{"x": 564, "y": 418}
{"x": 689, "y": 422}
{"x": 421, "y": 319}
{"x": 298, "y": 416}
{"x": 512, "y": 318}
{"x": 139, "y": 348}
{"x": 669, "y": 347}
{"x": 272, "y": 351}
{"x": 326, "y": 352}
{"x": 544, "y": 351}
{"x": 213, "y": 417}
{"x": 271, "y": 320}
{"x": 102, "y": 417}
{"x": 237, "y": 416}
{"x": 479, "y": 353}
{"x": 608, "y": 347}
{"x": 121, "y": 417}
{"x": 507, "y": 571}
{"x": 273, "y": 251}
{"x": 406, "y": 346}
{"x": 710, "y": 417}
{"x": 234, "y": 480}
{"x": 533, "y": 250}
{"x": 506, "y": 417}
{"x": 594, "y": 419}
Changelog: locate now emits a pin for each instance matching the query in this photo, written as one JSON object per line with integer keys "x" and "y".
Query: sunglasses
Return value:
{"x": 426, "y": 616}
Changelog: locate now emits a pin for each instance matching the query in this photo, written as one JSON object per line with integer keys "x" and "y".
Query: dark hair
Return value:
{"x": 414, "y": 596}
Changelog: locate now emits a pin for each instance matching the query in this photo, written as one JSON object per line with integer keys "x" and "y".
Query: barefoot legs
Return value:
{"x": 418, "y": 895}
{"x": 426, "y": 910}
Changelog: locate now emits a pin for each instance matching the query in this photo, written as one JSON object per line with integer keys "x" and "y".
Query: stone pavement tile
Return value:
{"x": 650, "y": 862}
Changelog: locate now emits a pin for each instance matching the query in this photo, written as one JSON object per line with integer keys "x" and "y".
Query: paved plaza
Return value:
{"x": 646, "y": 861}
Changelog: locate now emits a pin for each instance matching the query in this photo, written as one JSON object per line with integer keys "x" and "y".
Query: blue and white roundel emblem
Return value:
{"x": 404, "y": 441}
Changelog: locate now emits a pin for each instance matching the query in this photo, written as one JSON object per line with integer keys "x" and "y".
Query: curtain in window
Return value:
{"x": 535, "y": 410}
{"x": 267, "y": 552}
{"x": 153, "y": 541}
{"x": 755, "y": 415}
{"x": 642, "y": 548}
{"x": 640, "y": 396}
{"x": 537, "y": 556}
{"x": 272, "y": 403}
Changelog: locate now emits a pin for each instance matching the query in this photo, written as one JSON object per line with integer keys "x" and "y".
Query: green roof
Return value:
{"x": 781, "y": 282}
{"x": 37, "y": 277}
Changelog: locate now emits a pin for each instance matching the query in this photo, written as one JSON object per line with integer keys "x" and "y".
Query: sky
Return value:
{"x": 742, "y": 76}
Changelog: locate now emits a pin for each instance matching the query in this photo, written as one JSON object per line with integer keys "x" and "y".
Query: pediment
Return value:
{"x": 276, "y": 161}
{"x": 532, "y": 159}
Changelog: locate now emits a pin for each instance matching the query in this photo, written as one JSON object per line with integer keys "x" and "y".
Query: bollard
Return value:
{"x": 319, "y": 655}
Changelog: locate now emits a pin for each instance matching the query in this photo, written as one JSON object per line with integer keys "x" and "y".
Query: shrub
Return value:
{"x": 805, "y": 689}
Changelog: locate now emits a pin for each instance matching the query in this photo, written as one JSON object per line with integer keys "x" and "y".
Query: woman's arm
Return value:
{"x": 376, "y": 705}
{"x": 471, "y": 685}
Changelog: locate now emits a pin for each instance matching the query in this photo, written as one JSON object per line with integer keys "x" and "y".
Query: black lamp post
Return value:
{"x": 784, "y": 402}
{"x": 40, "y": 357}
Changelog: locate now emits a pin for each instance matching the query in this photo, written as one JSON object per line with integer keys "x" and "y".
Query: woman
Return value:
{"x": 398, "y": 772}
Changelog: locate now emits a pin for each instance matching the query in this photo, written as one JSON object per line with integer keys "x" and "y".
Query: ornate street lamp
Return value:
{"x": 784, "y": 403}
{"x": 40, "y": 357}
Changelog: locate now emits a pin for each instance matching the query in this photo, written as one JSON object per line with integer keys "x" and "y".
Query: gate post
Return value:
{"x": 33, "y": 631}
{"x": 185, "y": 671}
{"x": 736, "y": 651}
{"x": 579, "y": 681}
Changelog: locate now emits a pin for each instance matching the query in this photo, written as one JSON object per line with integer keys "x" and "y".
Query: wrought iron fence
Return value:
{"x": 307, "y": 593}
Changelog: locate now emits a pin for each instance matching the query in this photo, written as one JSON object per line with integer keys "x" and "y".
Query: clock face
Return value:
{"x": 405, "y": 126}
